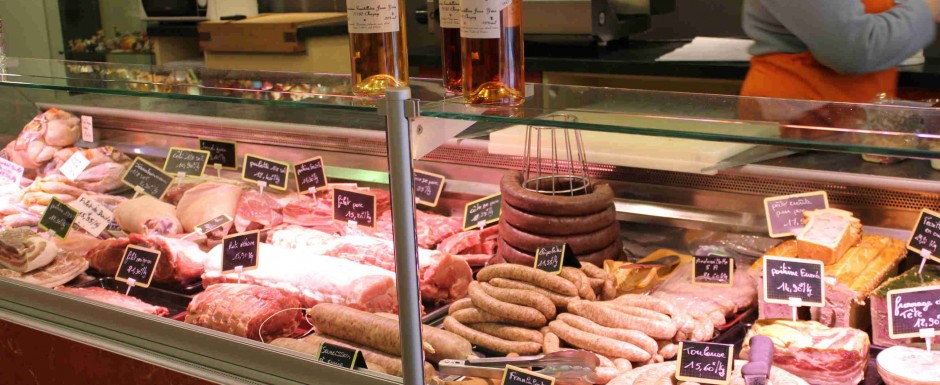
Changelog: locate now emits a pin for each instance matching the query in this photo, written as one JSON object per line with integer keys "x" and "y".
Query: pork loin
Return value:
{"x": 249, "y": 311}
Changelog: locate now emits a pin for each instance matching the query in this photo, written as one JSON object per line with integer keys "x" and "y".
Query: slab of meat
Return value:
{"x": 116, "y": 299}
{"x": 473, "y": 246}
{"x": 207, "y": 201}
{"x": 256, "y": 211}
{"x": 879, "y": 301}
{"x": 181, "y": 261}
{"x": 313, "y": 278}
{"x": 23, "y": 250}
{"x": 716, "y": 302}
{"x": 303, "y": 210}
{"x": 240, "y": 309}
{"x": 64, "y": 268}
{"x": 147, "y": 215}
{"x": 816, "y": 353}
{"x": 431, "y": 228}
{"x": 102, "y": 174}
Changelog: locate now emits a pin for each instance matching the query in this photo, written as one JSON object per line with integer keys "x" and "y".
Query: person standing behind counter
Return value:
{"x": 833, "y": 50}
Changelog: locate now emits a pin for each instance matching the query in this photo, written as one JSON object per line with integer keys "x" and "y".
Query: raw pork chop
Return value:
{"x": 313, "y": 278}
{"x": 116, "y": 299}
{"x": 242, "y": 310}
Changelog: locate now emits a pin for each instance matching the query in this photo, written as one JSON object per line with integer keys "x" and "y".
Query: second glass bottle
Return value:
{"x": 492, "y": 52}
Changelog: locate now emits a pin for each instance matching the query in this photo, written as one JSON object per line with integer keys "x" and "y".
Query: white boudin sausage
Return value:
{"x": 615, "y": 319}
{"x": 522, "y": 315}
{"x": 600, "y": 198}
{"x": 522, "y": 297}
{"x": 598, "y": 344}
{"x": 507, "y": 332}
{"x": 559, "y": 300}
{"x": 531, "y": 275}
{"x": 490, "y": 342}
{"x": 557, "y": 224}
{"x": 634, "y": 337}
{"x": 647, "y": 302}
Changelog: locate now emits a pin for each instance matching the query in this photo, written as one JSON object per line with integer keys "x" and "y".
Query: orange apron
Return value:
{"x": 800, "y": 76}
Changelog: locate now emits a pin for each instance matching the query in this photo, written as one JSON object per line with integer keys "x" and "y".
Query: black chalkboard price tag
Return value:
{"x": 220, "y": 152}
{"x": 553, "y": 258}
{"x": 341, "y": 356}
{"x": 911, "y": 310}
{"x": 139, "y": 264}
{"x": 310, "y": 174}
{"x": 705, "y": 362}
{"x": 58, "y": 218}
{"x": 151, "y": 179}
{"x": 213, "y": 224}
{"x": 354, "y": 206}
{"x": 926, "y": 235}
{"x": 786, "y": 278}
{"x": 482, "y": 210}
{"x": 240, "y": 250}
{"x": 185, "y": 160}
{"x": 514, "y": 375}
{"x": 272, "y": 172}
{"x": 716, "y": 270}
{"x": 785, "y": 213}
{"x": 428, "y": 187}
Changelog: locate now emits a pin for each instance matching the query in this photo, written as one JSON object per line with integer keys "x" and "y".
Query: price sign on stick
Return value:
{"x": 310, "y": 174}
{"x": 88, "y": 129}
{"x": 93, "y": 217}
{"x": 341, "y": 356}
{"x": 428, "y": 187}
{"x": 354, "y": 206}
{"x": 271, "y": 172}
{"x": 213, "y": 224}
{"x": 147, "y": 178}
{"x": 10, "y": 173}
{"x": 185, "y": 160}
{"x": 715, "y": 270}
{"x": 222, "y": 152}
{"x": 553, "y": 258}
{"x": 58, "y": 218}
{"x": 485, "y": 210}
{"x": 73, "y": 167}
{"x": 912, "y": 310}
{"x": 785, "y": 213}
{"x": 704, "y": 362}
{"x": 513, "y": 375}
{"x": 137, "y": 266}
{"x": 786, "y": 279}
{"x": 925, "y": 239}
{"x": 240, "y": 250}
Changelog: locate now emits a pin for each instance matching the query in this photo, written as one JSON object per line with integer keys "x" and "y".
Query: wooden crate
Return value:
{"x": 265, "y": 33}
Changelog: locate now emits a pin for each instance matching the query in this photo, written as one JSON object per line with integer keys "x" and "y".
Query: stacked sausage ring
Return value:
{"x": 529, "y": 220}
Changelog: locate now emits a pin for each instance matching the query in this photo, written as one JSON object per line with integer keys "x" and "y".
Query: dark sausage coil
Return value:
{"x": 513, "y": 255}
{"x": 600, "y": 198}
{"x": 580, "y": 243}
{"x": 557, "y": 225}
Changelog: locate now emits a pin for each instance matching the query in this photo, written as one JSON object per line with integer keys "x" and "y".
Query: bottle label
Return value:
{"x": 480, "y": 19}
{"x": 373, "y": 16}
{"x": 450, "y": 13}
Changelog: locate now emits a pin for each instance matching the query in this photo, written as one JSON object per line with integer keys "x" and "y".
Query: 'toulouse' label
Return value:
{"x": 450, "y": 13}
{"x": 926, "y": 234}
{"x": 240, "y": 250}
{"x": 484, "y": 209}
{"x": 93, "y": 217}
{"x": 552, "y": 258}
{"x": 138, "y": 263}
{"x": 713, "y": 270}
{"x": 480, "y": 19}
{"x": 373, "y": 16}
{"x": 786, "y": 278}
{"x": 513, "y": 375}
{"x": 704, "y": 362}
{"x": 910, "y": 310}
{"x": 785, "y": 213}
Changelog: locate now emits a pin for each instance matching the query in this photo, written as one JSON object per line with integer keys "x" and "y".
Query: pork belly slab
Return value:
{"x": 116, "y": 299}
{"x": 23, "y": 250}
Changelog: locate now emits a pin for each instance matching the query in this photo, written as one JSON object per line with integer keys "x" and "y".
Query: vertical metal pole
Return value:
{"x": 398, "y": 108}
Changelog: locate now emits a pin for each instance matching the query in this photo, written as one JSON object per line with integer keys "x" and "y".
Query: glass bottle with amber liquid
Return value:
{"x": 377, "y": 45}
{"x": 491, "y": 52}
{"x": 450, "y": 45}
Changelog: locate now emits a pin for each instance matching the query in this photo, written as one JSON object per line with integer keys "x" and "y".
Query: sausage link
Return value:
{"x": 639, "y": 312}
{"x": 615, "y": 319}
{"x": 647, "y": 302}
{"x": 605, "y": 374}
{"x": 490, "y": 342}
{"x": 577, "y": 277}
{"x": 609, "y": 291}
{"x": 623, "y": 364}
{"x": 550, "y": 343}
{"x": 598, "y": 344}
{"x": 460, "y": 304}
{"x": 594, "y": 271}
{"x": 523, "y": 298}
{"x": 475, "y": 315}
{"x": 559, "y": 300}
{"x": 531, "y": 275}
{"x": 597, "y": 284}
{"x": 522, "y": 315}
{"x": 507, "y": 332}
{"x": 634, "y": 337}
{"x": 668, "y": 349}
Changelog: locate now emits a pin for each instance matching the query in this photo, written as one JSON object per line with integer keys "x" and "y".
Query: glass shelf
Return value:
{"x": 899, "y": 129}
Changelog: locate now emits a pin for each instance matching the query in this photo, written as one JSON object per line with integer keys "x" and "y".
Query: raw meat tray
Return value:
{"x": 174, "y": 302}
{"x": 188, "y": 289}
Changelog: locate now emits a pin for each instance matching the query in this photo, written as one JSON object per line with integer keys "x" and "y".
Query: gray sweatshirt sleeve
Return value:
{"x": 843, "y": 37}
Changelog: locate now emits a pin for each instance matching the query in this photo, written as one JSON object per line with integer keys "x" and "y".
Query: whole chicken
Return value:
{"x": 39, "y": 140}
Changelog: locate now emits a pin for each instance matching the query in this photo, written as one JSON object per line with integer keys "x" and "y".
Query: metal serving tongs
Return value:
{"x": 567, "y": 366}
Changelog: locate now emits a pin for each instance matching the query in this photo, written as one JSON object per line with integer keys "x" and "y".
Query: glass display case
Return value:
{"x": 683, "y": 170}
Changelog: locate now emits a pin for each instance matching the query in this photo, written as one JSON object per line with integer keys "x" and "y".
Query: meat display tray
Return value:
{"x": 174, "y": 302}
{"x": 189, "y": 289}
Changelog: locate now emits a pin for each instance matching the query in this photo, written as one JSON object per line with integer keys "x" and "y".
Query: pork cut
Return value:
{"x": 474, "y": 246}
{"x": 23, "y": 250}
{"x": 147, "y": 215}
{"x": 715, "y": 302}
{"x": 431, "y": 228}
{"x": 313, "y": 278}
{"x": 64, "y": 268}
{"x": 116, "y": 299}
{"x": 206, "y": 201}
{"x": 181, "y": 261}
{"x": 257, "y": 210}
{"x": 249, "y": 311}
